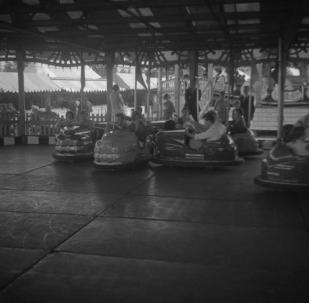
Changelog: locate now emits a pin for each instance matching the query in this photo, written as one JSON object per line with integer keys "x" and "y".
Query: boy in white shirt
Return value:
{"x": 214, "y": 131}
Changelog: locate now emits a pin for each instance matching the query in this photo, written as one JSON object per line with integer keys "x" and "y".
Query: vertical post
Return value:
{"x": 197, "y": 98}
{"x": 177, "y": 88}
{"x": 21, "y": 92}
{"x": 251, "y": 100}
{"x": 231, "y": 75}
{"x": 82, "y": 82}
{"x": 135, "y": 81}
{"x": 230, "y": 86}
{"x": 193, "y": 74}
{"x": 193, "y": 68}
{"x": 160, "y": 92}
{"x": 148, "y": 90}
{"x": 135, "y": 87}
{"x": 166, "y": 91}
{"x": 281, "y": 76}
{"x": 109, "y": 80}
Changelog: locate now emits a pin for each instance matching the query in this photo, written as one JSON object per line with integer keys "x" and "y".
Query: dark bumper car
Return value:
{"x": 170, "y": 149}
{"x": 246, "y": 143}
{"x": 281, "y": 169}
{"x": 119, "y": 149}
{"x": 159, "y": 125}
{"x": 74, "y": 143}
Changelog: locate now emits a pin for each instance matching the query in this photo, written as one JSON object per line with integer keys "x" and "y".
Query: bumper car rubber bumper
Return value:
{"x": 280, "y": 185}
{"x": 118, "y": 165}
{"x": 73, "y": 156}
{"x": 196, "y": 163}
{"x": 257, "y": 152}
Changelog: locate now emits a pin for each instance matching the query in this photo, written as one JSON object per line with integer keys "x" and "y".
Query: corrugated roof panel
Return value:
{"x": 248, "y": 7}
{"x": 74, "y": 14}
{"x": 249, "y": 21}
{"x": 137, "y": 25}
{"x": 146, "y": 12}
{"x": 40, "y": 16}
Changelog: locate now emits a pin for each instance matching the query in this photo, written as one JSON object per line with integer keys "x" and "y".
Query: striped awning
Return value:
{"x": 32, "y": 82}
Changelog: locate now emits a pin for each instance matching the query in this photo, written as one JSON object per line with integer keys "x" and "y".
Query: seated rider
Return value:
{"x": 68, "y": 121}
{"x": 286, "y": 132}
{"x": 186, "y": 120}
{"x": 136, "y": 124}
{"x": 124, "y": 122}
{"x": 304, "y": 121}
{"x": 296, "y": 141}
{"x": 170, "y": 125}
{"x": 84, "y": 120}
{"x": 142, "y": 127}
{"x": 238, "y": 124}
{"x": 214, "y": 131}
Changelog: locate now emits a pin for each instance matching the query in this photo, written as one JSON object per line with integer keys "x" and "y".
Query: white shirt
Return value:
{"x": 213, "y": 133}
{"x": 299, "y": 147}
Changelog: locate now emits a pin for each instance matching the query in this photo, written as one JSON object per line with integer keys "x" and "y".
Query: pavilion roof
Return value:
{"x": 66, "y": 32}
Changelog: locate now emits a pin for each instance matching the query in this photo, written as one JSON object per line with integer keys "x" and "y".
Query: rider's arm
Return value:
{"x": 204, "y": 135}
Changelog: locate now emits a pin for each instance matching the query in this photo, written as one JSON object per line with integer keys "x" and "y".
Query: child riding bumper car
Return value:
{"x": 244, "y": 138}
{"x": 74, "y": 143}
{"x": 123, "y": 145}
{"x": 121, "y": 149}
{"x": 171, "y": 149}
{"x": 246, "y": 143}
{"x": 198, "y": 145}
{"x": 286, "y": 166}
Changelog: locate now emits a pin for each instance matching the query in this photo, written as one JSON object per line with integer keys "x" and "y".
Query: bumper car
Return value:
{"x": 170, "y": 149}
{"x": 120, "y": 148}
{"x": 246, "y": 143}
{"x": 74, "y": 143}
{"x": 281, "y": 169}
{"x": 158, "y": 124}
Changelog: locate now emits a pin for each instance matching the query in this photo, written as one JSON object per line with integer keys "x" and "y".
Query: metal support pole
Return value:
{"x": 281, "y": 76}
{"x": 193, "y": 68}
{"x": 82, "y": 83}
{"x": 21, "y": 92}
{"x": 230, "y": 86}
{"x": 109, "y": 80}
{"x": 148, "y": 90}
{"x": 250, "y": 95}
{"x": 135, "y": 87}
{"x": 231, "y": 76}
{"x": 197, "y": 98}
{"x": 193, "y": 56}
{"x": 177, "y": 89}
{"x": 135, "y": 80}
{"x": 160, "y": 92}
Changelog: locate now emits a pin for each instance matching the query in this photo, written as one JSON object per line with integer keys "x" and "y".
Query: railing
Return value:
{"x": 40, "y": 125}
{"x": 8, "y": 124}
{"x": 46, "y": 125}
{"x": 97, "y": 118}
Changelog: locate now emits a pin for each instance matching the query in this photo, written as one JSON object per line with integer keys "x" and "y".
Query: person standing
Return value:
{"x": 220, "y": 106}
{"x": 191, "y": 101}
{"x": 245, "y": 101}
{"x": 117, "y": 102}
{"x": 168, "y": 107}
